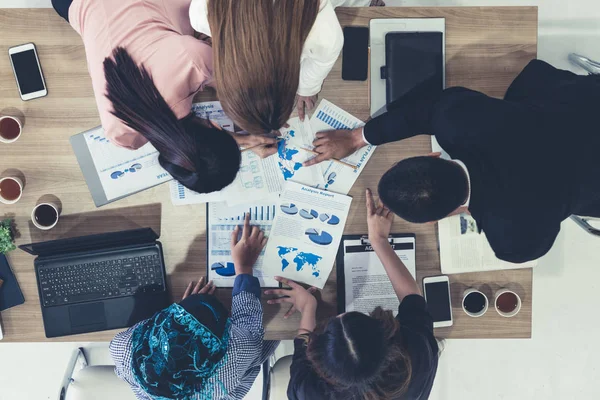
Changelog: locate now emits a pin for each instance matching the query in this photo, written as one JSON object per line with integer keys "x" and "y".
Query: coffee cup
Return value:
{"x": 45, "y": 216}
{"x": 11, "y": 190}
{"x": 10, "y": 129}
{"x": 475, "y": 303}
{"x": 507, "y": 303}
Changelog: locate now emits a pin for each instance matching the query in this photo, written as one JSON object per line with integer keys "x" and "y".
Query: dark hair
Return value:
{"x": 423, "y": 189}
{"x": 201, "y": 157}
{"x": 361, "y": 356}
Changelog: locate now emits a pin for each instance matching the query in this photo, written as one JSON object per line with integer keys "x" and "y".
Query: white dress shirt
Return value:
{"x": 464, "y": 167}
{"x": 321, "y": 49}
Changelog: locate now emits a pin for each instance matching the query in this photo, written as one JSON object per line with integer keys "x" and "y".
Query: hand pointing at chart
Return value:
{"x": 336, "y": 144}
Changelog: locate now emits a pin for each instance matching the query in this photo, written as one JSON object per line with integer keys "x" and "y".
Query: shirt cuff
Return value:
{"x": 246, "y": 283}
{"x": 363, "y": 136}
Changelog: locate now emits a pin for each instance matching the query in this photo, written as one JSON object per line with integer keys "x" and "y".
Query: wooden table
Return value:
{"x": 485, "y": 49}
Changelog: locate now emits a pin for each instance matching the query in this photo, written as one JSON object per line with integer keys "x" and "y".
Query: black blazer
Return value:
{"x": 531, "y": 156}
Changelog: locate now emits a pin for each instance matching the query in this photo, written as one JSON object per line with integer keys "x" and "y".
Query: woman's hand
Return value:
{"x": 304, "y": 104}
{"x": 263, "y": 146}
{"x": 301, "y": 299}
{"x": 246, "y": 250}
{"x": 379, "y": 220}
{"x": 200, "y": 287}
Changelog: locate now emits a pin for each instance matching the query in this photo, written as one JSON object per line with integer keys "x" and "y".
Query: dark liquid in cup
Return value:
{"x": 45, "y": 215}
{"x": 10, "y": 189}
{"x": 507, "y": 302}
{"x": 9, "y": 129}
{"x": 474, "y": 302}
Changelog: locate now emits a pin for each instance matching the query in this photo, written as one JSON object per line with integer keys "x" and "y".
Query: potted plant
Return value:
{"x": 6, "y": 236}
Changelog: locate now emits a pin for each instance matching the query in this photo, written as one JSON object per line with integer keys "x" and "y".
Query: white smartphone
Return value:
{"x": 437, "y": 296}
{"x": 28, "y": 71}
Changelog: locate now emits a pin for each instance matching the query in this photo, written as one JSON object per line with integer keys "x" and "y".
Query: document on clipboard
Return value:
{"x": 362, "y": 281}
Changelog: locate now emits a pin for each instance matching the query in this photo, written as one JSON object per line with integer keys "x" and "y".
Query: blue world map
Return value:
{"x": 301, "y": 259}
{"x": 287, "y": 164}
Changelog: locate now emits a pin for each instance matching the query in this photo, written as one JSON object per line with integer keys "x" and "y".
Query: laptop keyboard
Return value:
{"x": 99, "y": 280}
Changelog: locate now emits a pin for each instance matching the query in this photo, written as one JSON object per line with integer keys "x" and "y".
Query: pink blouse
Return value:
{"x": 157, "y": 34}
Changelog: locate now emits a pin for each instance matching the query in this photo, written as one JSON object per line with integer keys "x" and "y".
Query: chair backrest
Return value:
{"x": 280, "y": 378}
{"x": 98, "y": 383}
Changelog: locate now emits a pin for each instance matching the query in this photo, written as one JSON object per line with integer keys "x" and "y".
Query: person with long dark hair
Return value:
{"x": 195, "y": 350}
{"x": 146, "y": 68}
{"x": 355, "y": 356}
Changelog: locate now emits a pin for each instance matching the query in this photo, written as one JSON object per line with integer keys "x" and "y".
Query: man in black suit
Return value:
{"x": 520, "y": 165}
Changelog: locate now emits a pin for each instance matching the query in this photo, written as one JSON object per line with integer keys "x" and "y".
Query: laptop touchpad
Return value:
{"x": 87, "y": 315}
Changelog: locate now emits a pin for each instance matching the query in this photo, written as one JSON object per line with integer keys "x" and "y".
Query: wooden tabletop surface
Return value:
{"x": 486, "y": 47}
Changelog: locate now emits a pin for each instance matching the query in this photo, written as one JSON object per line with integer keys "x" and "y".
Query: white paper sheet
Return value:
{"x": 291, "y": 155}
{"x": 222, "y": 219}
{"x": 122, "y": 171}
{"x": 306, "y": 234}
{"x": 339, "y": 178}
{"x": 366, "y": 282}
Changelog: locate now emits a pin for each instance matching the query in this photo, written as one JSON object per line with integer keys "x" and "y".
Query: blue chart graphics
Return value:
{"x": 289, "y": 209}
{"x": 334, "y": 121}
{"x": 223, "y": 269}
{"x": 257, "y": 213}
{"x": 290, "y": 157}
{"x": 301, "y": 259}
{"x": 119, "y": 174}
{"x": 334, "y": 220}
{"x": 306, "y": 214}
{"x": 323, "y": 238}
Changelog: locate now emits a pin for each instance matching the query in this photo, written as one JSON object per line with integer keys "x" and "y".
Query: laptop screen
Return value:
{"x": 91, "y": 242}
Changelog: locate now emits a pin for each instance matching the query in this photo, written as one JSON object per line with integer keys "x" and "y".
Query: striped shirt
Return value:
{"x": 245, "y": 355}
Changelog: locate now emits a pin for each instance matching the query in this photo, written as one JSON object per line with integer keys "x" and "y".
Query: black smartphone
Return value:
{"x": 355, "y": 55}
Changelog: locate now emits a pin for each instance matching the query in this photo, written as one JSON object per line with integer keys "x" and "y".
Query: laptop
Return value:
{"x": 99, "y": 282}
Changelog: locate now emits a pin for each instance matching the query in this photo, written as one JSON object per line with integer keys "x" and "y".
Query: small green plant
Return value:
{"x": 6, "y": 236}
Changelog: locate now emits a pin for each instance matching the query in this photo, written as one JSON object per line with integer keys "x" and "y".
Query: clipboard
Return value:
{"x": 401, "y": 242}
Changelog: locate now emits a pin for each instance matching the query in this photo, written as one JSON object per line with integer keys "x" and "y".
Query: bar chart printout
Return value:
{"x": 221, "y": 221}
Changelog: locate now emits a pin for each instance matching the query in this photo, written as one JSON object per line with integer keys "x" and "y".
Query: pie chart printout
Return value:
{"x": 289, "y": 209}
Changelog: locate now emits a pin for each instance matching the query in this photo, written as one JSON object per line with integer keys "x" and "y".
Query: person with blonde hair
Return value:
{"x": 266, "y": 52}
{"x": 355, "y": 356}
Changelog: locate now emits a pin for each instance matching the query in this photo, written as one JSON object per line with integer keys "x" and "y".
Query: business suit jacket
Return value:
{"x": 531, "y": 155}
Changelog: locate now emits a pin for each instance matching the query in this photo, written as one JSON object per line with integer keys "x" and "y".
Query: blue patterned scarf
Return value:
{"x": 174, "y": 355}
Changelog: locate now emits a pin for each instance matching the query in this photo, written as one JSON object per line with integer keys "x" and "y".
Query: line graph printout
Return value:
{"x": 337, "y": 177}
{"x": 221, "y": 221}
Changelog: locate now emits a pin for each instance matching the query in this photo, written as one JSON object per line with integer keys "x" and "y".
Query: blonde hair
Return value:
{"x": 257, "y": 45}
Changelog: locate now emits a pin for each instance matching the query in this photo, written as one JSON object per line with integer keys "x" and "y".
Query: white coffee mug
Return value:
{"x": 469, "y": 313}
{"x": 19, "y": 182}
{"x": 42, "y": 227}
{"x": 18, "y": 121}
{"x": 511, "y": 313}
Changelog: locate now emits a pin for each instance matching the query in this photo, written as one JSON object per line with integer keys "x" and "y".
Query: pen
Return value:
{"x": 333, "y": 159}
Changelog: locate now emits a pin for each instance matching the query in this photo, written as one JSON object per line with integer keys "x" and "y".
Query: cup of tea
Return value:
{"x": 45, "y": 216}
{"x": 11, "y": 190}
{"x": 474, "y": 303}
{"x": 10, "y": 129}
{"x": 508, "y": 303}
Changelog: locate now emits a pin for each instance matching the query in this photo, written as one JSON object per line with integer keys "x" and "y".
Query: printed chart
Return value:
{"x": 123, "y": 171}
{"x": 337, "y": 177}
{"x": 222, "y": 220}
{"x": 306, "y": 234}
